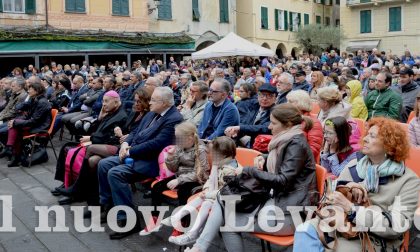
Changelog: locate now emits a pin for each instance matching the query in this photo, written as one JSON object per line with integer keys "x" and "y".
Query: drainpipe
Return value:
{"x": 46, "y": 15}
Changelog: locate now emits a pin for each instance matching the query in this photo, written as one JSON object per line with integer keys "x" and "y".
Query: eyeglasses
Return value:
{"x": 214, "y": 91}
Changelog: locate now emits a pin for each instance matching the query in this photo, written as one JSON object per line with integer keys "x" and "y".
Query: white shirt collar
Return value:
{"x": 164, "y": 112}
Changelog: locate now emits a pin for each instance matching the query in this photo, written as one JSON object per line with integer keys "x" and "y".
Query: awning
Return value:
{"x": 366, "y": 45}
{"x": 40, "y": 46}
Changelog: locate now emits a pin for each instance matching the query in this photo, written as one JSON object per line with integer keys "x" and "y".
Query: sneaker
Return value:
{"x": 182, "y": 240}
{"x": 150, "y": 227}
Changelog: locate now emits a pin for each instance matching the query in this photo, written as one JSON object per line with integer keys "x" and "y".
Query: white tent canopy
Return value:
{"x": 232, "y": 45}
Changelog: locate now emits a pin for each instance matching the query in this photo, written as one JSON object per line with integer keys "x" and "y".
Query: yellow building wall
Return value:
{"x": 99, "y": 16}
{"x": 397, "y": 42}
{"x": 249, "y": 21}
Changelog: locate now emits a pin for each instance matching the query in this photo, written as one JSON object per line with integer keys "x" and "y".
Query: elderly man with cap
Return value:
{"x": 284, "y": 86}
{"x": 258, "y": 120}
{"x": 408, "y": 90}
{"x": 300, "y": 81}
{"x": 102, "y": 143}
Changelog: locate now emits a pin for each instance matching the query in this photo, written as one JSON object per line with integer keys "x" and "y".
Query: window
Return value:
{"x": 77, "y": 6}
{"x": 165, "y": 10}
{"x": 264, "y": 18}
{"x": 294, "y": 21}
{"x": 365, "y": 21}
{"x": 395, "y": 19}
{"x": 318, "y": 19}
{"x": 17, "y": 6}
{"x": 337, "y": 2}
{"x": 224, "y": 11}
{"x": 327, "y": 21}
{"x": 306, "y": 19}
{"x": 120, "y": 8}
{"x": 364, "y": 1}
{"x": 195, "y": 11}
{"x": 280, "y": 19}
{"x": 337, "y": 22}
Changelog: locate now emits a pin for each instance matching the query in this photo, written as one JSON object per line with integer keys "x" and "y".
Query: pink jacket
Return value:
{"x": 355, "y": 136}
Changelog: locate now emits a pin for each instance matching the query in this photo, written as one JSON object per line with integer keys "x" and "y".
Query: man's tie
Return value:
{"x": 157, "y": 117}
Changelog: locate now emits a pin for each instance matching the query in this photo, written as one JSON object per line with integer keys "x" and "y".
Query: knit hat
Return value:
{"x": 112, "y": 94}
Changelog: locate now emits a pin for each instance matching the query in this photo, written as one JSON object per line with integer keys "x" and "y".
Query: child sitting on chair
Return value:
{"x": 223, "y": 153}
{"x": 188, "y": 160}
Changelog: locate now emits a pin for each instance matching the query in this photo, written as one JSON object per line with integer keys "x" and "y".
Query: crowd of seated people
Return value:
{"x": 125, "y": 118}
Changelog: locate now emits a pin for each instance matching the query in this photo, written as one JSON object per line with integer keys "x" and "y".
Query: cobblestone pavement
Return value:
{"x": 31, "y": 187}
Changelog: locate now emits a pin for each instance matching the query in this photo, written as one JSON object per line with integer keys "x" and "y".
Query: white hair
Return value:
{"x": 166, "y": 94}
{"x": 289, "y": 77}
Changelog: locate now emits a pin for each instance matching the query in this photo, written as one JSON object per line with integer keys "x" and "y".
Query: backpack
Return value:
{"x": 73, "y": 164}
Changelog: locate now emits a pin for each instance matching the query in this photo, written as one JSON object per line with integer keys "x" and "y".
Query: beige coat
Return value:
{"x": 9, "y": 111}
{"x": 195, "y": 114}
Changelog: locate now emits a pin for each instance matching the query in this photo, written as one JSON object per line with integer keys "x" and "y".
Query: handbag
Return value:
{"x": 253, "y": 193}
{"x": 39, "y": 155}
{"x": 350, "y": 233}
{"x": 261, "y": 143}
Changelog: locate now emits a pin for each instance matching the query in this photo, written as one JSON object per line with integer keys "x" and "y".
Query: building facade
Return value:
{"x": 272, "y": 24}
{"x": 205, "y": 21}
{"x": 389, "y": 25}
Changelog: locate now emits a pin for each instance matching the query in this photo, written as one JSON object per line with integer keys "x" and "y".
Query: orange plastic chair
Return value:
{"x": 46, "y": 133}
{"x": 168, "y": 193}
{"x": 411, "y": 116}
{"x": 413, "y": 160}
{"x": 361, "y": 124}
{"x": 404, "y": 126}
{"x": 285, "y": 241}
{"x": 315, "y": 108}
{"x": 245, "y": 157}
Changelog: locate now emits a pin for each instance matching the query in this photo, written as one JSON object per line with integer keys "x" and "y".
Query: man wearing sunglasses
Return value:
{"x": 219, "y": 113}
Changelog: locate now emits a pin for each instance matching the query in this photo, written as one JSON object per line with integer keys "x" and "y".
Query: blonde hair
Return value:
{"x": 189, "y": 129}
{"x": 329, "y": 94}
{"x": 301, "y": 99}
{"x": 320, "y": 81}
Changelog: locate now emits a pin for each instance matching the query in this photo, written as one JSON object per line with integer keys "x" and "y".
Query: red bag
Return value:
{"x": 73, "y": 164}
{"x": 261, "y": 143}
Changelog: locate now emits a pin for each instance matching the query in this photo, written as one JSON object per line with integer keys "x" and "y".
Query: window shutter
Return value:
{"x": 369, "y": 21}
{"x": 196, "y": 12}
{"x": 165, "y": 10}
{"x": 395, "y": 19}
{"x": 365, "y": 21}
{"x": 30, "y": 6}
{"x": 80, "y": 6}
{"x": 290, "y": 21}
{"x": 1, "y": 5}
{"x": 116, "y": 7}
{"x": 264, "y": 18}
{"x": 276, "y": 19}
{"x": 70, "y": 4}
{"x": 124, "y": 7}
{"x": 224, "y": 11}
{"x": 399, "y": 18}
{"x": 285, "y": 21}
{"x": 306, "y": 19}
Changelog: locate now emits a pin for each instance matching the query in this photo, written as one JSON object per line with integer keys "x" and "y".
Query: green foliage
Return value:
{"x": 317, "y": 37}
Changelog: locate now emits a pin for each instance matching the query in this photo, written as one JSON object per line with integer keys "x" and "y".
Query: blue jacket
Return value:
{"x": 148, "y": 142}
{"x": 75, "y": 102}
{"x": 228, "y": 116}
{"x": 252, "y": 128}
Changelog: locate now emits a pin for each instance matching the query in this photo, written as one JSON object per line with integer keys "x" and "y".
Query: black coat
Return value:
{"x": 253, "y": 128}
{"x": 36, "y": 115}
{"x": 104, "y": 134}
{"x": 294, "y": 182}
{"x": 247, "y": 109}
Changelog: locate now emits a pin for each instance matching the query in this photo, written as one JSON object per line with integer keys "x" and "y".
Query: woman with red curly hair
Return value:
{"x": 380, "y": 176}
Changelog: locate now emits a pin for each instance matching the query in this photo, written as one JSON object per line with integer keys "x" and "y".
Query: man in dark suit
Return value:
{"x": 155, "y": 132}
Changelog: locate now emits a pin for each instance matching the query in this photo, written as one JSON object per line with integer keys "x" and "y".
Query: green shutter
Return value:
{"x": 116, "y": 7}
{"x": 224, "y": 11}
{"x": 80, "y": 6}
{"x": 395, "y": 19}
{"x": 1, "y": 5}
{"x": 264, "y": 18}
{"x": 195, "y": 10}
{"x": 285, "y": 21}
{"x": 290, "y": 21}
{"x": 165, "y": 10}
{"x": 364, "y": 1}
{"x": 365, "y": 21}
{"x": 318, "y": 20}
{"x": 70, "y": 4}
{"x": 30, "y": 6}
{"x": 306, "y": 19}
{"x": 276, "y": 19}
{"x": 124, "y": 7}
